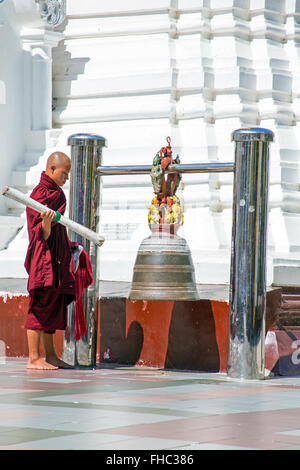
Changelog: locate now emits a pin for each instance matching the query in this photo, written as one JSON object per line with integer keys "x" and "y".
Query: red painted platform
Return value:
{"x": 173, "y": 335}
{"x": 165, "y": 334}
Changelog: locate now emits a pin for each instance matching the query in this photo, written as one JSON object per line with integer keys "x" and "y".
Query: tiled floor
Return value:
{"x": 136, "y": 408}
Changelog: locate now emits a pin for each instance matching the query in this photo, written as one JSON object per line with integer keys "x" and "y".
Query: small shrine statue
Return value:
{"x": 165, "y": 213}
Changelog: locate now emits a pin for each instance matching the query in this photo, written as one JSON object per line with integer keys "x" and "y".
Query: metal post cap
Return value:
{"x": 252, "y": 134}
{"x": 84, "y": 140}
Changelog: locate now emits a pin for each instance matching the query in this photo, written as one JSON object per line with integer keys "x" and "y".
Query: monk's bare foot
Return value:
{"x": 40, "y": 364}
{"x": 55, "y": 361}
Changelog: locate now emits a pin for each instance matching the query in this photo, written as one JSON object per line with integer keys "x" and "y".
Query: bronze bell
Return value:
{"x": 164, "y": 267}
{"x": 163, "y": 270}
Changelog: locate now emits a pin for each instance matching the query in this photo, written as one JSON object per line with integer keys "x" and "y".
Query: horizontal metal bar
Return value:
{"x": 215, "y": 167}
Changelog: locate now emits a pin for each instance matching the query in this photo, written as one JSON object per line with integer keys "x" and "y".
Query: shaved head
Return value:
{"x": 57, "y": 158}
{"x": 58, "y": 167}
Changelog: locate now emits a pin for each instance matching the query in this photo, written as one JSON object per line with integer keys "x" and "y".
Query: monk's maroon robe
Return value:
{"x": 51, "y": 282}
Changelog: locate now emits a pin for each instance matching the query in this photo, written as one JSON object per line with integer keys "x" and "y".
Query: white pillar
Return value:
{"x": 38, "y": 69}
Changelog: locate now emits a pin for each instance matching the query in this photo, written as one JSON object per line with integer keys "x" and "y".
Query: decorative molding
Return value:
{"x": 52, "y": 11}
{"x": 34, "y": 37}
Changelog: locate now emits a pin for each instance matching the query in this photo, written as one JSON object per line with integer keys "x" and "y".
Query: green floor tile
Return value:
{"x": 10, "y": 435}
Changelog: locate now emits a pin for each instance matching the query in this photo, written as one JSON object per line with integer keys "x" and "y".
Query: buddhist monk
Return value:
{"x": 51, "y": 280}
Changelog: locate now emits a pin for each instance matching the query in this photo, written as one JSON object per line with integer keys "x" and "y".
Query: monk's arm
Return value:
{"x": 47, "y": 217}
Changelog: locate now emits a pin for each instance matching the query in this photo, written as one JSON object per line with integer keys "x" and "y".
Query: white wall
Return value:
{"x": 138, "y": 71}
{"x": 11, "y": 96}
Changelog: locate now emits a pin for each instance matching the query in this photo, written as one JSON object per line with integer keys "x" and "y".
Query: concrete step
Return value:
{"x": 288, "y": 314}
{"x": 289, "y": 317}
{"x": 290, "y": 301}
{"x": 24, "y": 179}
{"x": 12, "y": 259}
{"x": 290, "y": 304}
{"x": 9, "y": 227}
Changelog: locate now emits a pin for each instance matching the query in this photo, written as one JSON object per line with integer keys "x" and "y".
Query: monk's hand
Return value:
{"x": 47, "y": 218}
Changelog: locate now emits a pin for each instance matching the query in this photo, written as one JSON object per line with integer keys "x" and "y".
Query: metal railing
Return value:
{"x": 214, "y": 167}
{"x": 247, "y": 290}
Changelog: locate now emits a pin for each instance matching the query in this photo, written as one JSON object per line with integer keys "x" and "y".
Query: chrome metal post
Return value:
{"x": 84, "y": 207}
{"x": 247, "y": 296}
